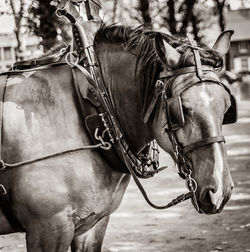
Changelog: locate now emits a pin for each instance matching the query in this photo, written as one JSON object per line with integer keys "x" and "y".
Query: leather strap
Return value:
{"x": 86, "y": 73}
{"x": 88, "y": 11}
{"x": 159, "y": 87}
{"x": 202, "y": 142}
{"x": 196, "y": 56}
{"x": 15, "y": 71}
{"x": 3, "y": 82}
{"x": 167, "y": 74}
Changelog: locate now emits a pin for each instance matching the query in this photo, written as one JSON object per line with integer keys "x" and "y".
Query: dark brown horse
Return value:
{"x": 66, "y": 200}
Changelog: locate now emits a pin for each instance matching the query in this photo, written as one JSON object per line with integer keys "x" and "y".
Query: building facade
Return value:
{"x": 8, "y": 44}
{"x": 238, "y": 59}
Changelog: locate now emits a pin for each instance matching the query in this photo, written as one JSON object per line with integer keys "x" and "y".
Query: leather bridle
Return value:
{"x": 201, "y": 73}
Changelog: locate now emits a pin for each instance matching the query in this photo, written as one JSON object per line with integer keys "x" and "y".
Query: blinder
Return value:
{"x": 175, "y": 114}
{"x": 231, "y": 116}
{"x": 176, "y": 118}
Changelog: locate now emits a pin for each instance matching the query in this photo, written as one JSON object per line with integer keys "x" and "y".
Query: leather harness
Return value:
{"x": 105, "y": 121}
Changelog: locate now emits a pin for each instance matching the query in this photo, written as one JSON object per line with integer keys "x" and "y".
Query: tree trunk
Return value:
{"x": 18, "y": 16}
{"x": 220, "y": 8}
{"x": 144, "y": 9}
{"x": 187, "y": 15}
{"x": 114, "y": 10}
{"x": 194, "y": 22}
{"x": 171, "y": 21}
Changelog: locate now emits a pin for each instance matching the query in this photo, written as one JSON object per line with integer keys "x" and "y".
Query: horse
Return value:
{"x": 65, "y": 201}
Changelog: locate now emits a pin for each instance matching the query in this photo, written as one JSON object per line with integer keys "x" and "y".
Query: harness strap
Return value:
{"x": 197, "y": 57}
{"x": 85, "y": 72}
{"x": 202, "y": 142}
{"x": 2, "y": 91}
{"x": 166, "y": 74}
{"x": 16, "y": 71}
{"x": 88, "y": 11}
{"x": 159, "y": 87}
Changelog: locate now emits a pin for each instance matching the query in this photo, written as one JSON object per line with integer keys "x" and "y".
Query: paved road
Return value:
{"x": 136, "y": 227}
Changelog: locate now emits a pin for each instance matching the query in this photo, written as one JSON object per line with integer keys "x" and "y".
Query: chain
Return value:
{"x": 184, "y": 169}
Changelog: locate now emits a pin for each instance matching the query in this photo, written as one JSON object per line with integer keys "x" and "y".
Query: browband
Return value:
{"x": 191, "y": 69}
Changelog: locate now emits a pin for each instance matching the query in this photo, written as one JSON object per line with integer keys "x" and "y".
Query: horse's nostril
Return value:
{"x": 207, "y": 197}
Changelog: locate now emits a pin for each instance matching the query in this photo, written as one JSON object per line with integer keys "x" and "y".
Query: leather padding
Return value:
{"x": 231, "y": 116}
{"x": 175, "y": 114}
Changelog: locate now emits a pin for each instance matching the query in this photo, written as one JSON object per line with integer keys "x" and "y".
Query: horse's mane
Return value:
{"x": 140, "y": 41}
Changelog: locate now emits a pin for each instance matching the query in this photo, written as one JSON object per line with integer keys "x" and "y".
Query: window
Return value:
{"x": 1, "y": 57}
{"x": 243, "y": 47}
{"x": 244, "y": 64}
{"x": 7, "y": 53}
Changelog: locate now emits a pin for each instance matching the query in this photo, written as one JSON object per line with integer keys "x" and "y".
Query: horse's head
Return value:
{"x": 193, "y": 106}
{"x": 184, "y": 111}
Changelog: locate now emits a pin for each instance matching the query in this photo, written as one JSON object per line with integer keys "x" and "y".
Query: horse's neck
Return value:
{"x": 119, "y": 74}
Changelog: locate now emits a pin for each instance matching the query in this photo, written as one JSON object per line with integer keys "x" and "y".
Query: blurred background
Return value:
{"x": 29, "y": 28}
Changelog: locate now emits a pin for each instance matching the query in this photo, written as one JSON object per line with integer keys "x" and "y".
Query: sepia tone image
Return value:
{"x": 124, "y": 125}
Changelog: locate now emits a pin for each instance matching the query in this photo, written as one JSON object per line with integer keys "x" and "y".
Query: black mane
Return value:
{"x": 140, "y": 41}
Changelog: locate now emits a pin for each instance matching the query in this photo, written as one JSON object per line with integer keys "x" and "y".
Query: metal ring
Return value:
{"x": 2, "y": 165}
{"x": 103, "y": 133}
{"x": 58, "y": 11}
{"x": 4, "y": 192}
{"x": 63, "y": 50}
{"x": 193, "y": 186}
{"x": 68, "y": 60}
{"x": 106, "y": 146}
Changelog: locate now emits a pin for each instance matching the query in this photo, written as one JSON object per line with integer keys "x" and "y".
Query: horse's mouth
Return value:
{"x": 210, "y": 208}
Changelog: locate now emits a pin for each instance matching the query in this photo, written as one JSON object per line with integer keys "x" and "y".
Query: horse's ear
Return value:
{"x": 166, "y": 53}
{"x": 222, "y": 43}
